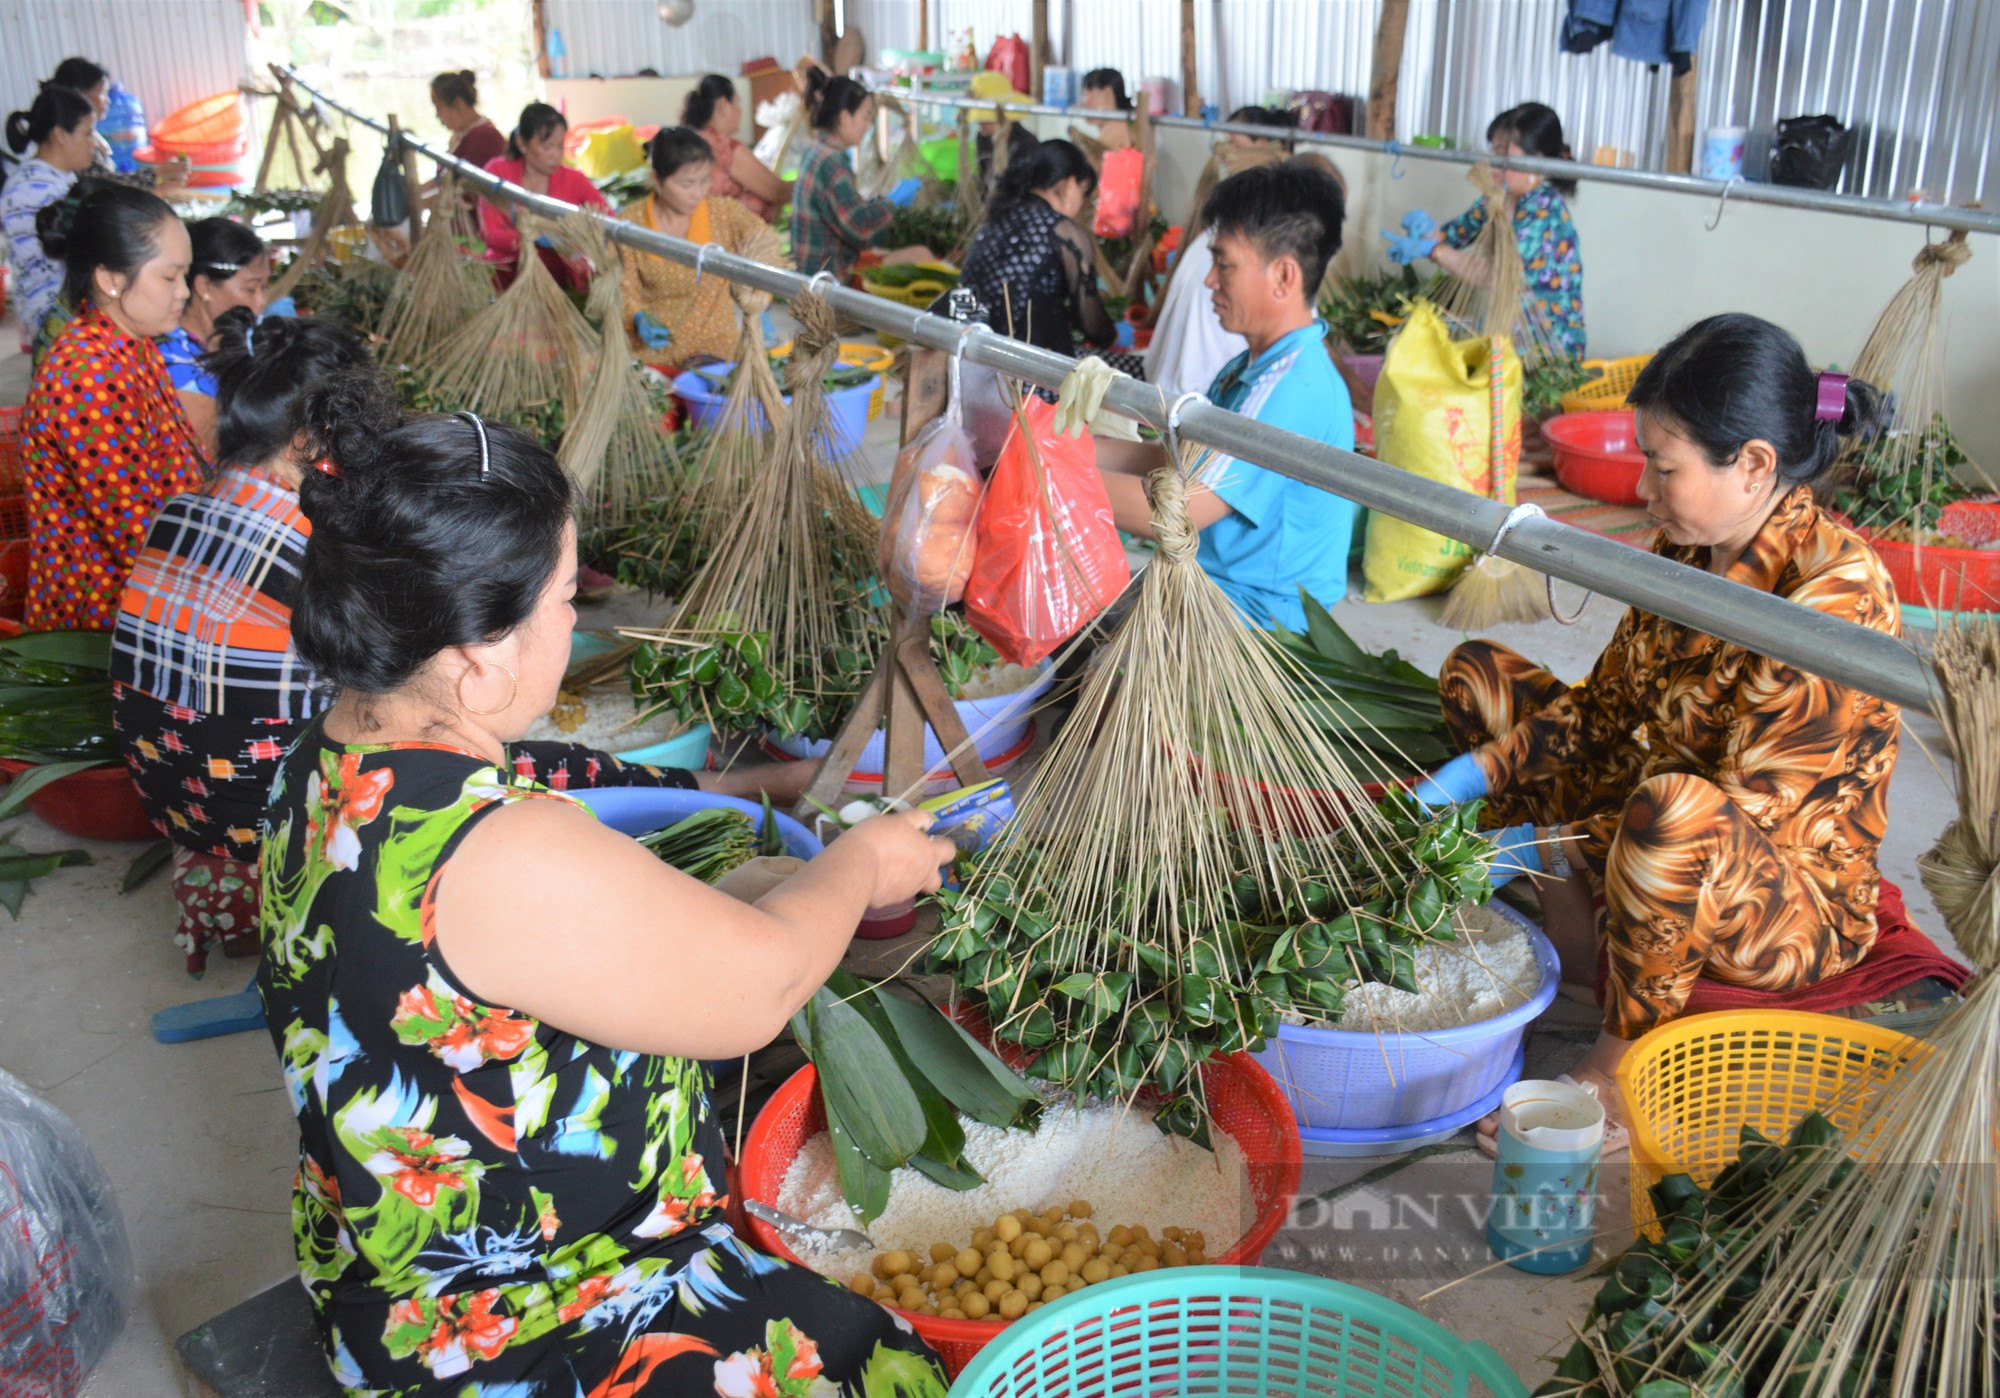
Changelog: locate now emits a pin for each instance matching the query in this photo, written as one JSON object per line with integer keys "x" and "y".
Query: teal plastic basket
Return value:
{"x": 1231, "y": 1330}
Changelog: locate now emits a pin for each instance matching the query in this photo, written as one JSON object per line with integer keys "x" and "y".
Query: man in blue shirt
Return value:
{"x": 1263, "y": 535}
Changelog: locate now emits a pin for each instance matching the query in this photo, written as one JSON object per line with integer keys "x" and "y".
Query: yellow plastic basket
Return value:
{"x": 1606, "y": 392}
{"x": 1693, "y": 1084}
{"x": 873, "y": 358}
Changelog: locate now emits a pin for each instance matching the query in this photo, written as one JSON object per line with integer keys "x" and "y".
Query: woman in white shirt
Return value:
{"x": 59, "y": 125}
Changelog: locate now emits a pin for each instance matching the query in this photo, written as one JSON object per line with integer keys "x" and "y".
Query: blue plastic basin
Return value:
{"x": 636, "y": 810}
{"x": 846, "y": 407}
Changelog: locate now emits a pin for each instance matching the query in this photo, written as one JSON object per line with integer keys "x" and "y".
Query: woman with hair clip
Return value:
{"x": 534, "y": 160}
{"x": 510, "y": 1170}
{"x": 1543, "y": 227}
{"x": 59, "y": 125}
{"x": 474, "y": 138}
{"x": 105, "y": 439}
{"x": 736, "y": 173}
{"x": 1031, "y": 263}
{"x": 207, "y": 691}
{"x": 831, "y": 222}
{"x": 674, "y": 315}
{"x": 1692, "y": 809}
{"x": 231, "y": 268}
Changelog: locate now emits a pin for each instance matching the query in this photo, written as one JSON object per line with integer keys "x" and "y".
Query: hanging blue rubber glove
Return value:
{"x": 651, "y": 333}
{"x": 905, "y": 194}
{"x": 1419, "y": 224}
{"x": 1408, "y": 248}
{"x": 545, "y": 242}
{"x": 283, "y": 306}
{"x": 1460, "y": 780}
{"x": 1514, "y": 852}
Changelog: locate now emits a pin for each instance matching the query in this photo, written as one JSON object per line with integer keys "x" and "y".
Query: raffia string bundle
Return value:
{"x": 528, "y": 351}
{"x": 791, "y": 548}
{"x": 441, "y": 290}
{"x": 1491, "y": 301}
{"x": 1887, "y": 1287}
{"x": 1186, "y": 810}
{"x": 613, "y": 444}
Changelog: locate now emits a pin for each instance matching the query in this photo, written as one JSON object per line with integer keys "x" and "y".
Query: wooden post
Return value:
{"x": 413, "y": 185}
{"x": 923, "y": 26}
{"x": 541, "y": 39}
{"x": 1190, "y": 72}
{"x": 1038, "y": 46}
{"x": 1680, "y": 123}
{"x": 829, "y": 36}
{"x": 1387, "y": 68}
{"x": 906, "y": 690}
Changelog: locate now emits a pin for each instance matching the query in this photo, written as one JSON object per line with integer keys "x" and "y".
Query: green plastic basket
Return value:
{"x": 1231, "y": 1330}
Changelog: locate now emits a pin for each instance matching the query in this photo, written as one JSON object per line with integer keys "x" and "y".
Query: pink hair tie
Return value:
{"x": 1832, "y": 398}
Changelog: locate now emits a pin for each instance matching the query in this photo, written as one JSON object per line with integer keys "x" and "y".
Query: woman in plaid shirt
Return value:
{"x": 831, "y": 222}
{"x": 207, "y": 689}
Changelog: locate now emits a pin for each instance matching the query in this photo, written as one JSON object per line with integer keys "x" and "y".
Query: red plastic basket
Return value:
{"x": 1942, "y": 579}
{"x": 1597, "y": 455}
{"x": 100, "y": 803}
{"x": 218, "y": 117}
{"x": 208, "y": 153}
{"x": 1244, "y": 1102}
{"x": 11, "y": 454}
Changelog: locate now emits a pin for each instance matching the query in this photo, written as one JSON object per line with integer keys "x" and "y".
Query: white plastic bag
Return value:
{"x": 927, "y": 519}
{"x": 66, "y": 1279}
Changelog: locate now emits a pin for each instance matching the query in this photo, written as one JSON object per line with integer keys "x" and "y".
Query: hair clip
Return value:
{"x": 326, "y": 467}
{"x": 485, "y": 457}
{"x": 1832, "y": 405}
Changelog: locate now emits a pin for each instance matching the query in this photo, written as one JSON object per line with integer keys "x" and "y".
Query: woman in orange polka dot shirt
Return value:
{"x": 105, "y": 438}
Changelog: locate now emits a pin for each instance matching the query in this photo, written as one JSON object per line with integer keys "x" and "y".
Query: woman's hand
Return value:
{"x": 908, "y": 861}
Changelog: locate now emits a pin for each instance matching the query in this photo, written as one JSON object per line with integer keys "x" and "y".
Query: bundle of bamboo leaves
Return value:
{"x": 784, "y": 583}
{"x": 442, "y": 288}
{"x": 1194, "y": 858}
{"x": 1889, "y": 1281}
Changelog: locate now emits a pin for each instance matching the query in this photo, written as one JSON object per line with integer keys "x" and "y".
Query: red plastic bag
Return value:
{"x": 1118, "y": 193}
{"x": 1009, "y": 55}
{"x": 926, "y": 550}
{"x": 1046, "y": 555}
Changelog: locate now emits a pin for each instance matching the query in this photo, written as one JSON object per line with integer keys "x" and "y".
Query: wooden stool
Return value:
{"x": 268, "y": 1347}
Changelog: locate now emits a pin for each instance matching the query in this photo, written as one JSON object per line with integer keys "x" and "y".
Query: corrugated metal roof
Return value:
{"x": 167, "y": 53}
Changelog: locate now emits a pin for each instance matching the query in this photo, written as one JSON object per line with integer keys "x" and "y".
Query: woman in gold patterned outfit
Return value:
{"x": 1692, "y": 808}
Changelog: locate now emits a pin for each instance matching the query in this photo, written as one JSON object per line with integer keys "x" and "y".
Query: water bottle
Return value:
{"x": 1544, "y": 1209}
{"x": 558, "y": 51}
{"x": 123, "y": 127}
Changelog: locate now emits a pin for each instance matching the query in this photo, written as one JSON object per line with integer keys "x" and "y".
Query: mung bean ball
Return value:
{"x": 1006, "y": 1228}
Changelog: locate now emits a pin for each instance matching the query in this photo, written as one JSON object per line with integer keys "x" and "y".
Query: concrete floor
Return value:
{"x": 200, "y": 1142}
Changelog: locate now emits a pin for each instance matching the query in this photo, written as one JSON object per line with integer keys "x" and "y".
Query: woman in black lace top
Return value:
{"x": 1032, "y": 263}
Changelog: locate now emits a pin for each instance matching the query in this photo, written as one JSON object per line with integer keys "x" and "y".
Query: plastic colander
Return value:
{"x": 1231, "y": 1330}
{"x": 1243, "y": 1103}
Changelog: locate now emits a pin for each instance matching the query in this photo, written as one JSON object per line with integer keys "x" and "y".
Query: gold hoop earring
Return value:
{"x": 488, "y": 713}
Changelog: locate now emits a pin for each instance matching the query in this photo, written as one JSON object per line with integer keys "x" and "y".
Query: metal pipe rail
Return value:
{"x": 1811, "y": 640}
{"x": 1931, "y": 215}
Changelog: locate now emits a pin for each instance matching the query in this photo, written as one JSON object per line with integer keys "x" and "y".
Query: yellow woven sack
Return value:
{"x": 1434, "y": 418}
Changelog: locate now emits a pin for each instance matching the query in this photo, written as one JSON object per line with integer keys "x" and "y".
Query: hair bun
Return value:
{"x": 1866, "y": 411}
{"x": 54, "y": 223}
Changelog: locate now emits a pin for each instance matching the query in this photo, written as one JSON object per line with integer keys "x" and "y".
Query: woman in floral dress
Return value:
{"x": 489, "y": 1009}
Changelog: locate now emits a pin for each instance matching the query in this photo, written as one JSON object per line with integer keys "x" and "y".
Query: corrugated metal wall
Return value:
{"x": 167, "y": 52}
{"x": 616, "y": 38}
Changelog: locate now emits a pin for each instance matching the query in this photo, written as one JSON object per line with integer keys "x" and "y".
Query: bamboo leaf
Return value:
{"x": 951, "y": 1175}
{"x": 35, "y": 778}
{"x": 13, "y": 892}
{"x": 91, "y": 649}
{"x": 1325, "y": 633}
{"x": 148, "y": 862}
{"x": 969, "y": 1075}
{"x": 863, "y": 1084}
{"x": 865, "y": 1188}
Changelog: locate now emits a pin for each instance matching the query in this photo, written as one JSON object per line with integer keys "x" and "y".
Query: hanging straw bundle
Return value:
{"x": 1490, "y": 300}
{"x": 1880, "y": 1260}
{"x": 526, "y": 357}
{"x": 613, "y": 444}
{"x": 1193, "y": 858}
{"x": 1904, "y": 356}
{"x": 441, "y": 290}
{"x": 785, "y": 585}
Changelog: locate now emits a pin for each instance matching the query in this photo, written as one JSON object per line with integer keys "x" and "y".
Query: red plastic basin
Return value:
{"x": 1597, "y": 455}
{"x": 99, "y": 803}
